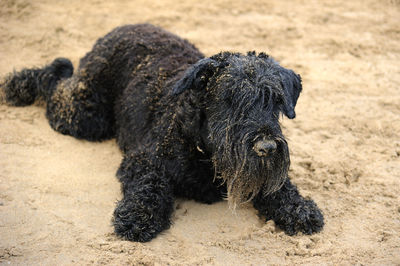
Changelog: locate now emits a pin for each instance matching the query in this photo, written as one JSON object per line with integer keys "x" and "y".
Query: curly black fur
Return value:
{"x": 290, "y": 210}
{"x": 189, "y": 126}
{"x": 25, "y": 87}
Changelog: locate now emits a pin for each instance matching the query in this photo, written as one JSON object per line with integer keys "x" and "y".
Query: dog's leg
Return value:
{"x": 80, "y": 109}
{"x": 78, "y": 105}
{"x": 290, "y": 211}
{"x": 147, "y": 203}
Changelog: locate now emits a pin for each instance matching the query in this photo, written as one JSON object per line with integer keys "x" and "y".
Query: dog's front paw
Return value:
{"x": 305, "y": 217}
{"x": 136, "y": 221}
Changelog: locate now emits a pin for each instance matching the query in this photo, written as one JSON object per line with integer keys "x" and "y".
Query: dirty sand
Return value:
{"x": 57, "y": 194}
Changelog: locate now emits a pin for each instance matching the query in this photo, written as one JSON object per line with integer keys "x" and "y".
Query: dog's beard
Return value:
{"x": 247, "y": 174}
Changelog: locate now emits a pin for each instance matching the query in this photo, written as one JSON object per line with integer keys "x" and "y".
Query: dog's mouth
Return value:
{"x": 246, "y": 173}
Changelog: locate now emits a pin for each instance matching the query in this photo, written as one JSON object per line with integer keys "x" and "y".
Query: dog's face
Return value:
{"x": 244, "y": 97}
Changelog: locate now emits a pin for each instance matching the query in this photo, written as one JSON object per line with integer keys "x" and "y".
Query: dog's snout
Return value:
{"x": 264, "y": 147}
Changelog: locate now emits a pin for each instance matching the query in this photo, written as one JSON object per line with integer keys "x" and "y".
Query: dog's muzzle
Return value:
{"x": 265, "y": 148}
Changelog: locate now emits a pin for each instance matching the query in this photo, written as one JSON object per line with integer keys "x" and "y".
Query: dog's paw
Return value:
{"x": 303, "y": 217}
{"x": 135, "y": 221}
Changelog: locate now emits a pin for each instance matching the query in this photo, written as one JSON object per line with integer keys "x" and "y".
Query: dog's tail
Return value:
{"x": 28, "y": 85}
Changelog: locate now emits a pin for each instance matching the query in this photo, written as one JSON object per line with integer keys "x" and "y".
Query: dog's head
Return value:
{"x": 243, "y": 97}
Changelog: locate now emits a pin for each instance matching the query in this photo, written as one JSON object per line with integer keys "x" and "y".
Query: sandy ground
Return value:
{"x": 57, "y": 194}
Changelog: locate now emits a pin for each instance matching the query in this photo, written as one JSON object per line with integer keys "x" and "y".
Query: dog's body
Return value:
{"x": 188, "y": 126}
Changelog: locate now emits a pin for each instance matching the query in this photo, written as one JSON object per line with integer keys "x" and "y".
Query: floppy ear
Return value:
{"x": 196, "y": 76}
{"x": 291, "y": 84}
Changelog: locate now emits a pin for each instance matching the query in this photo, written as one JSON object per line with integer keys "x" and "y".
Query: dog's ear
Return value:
{"x": 196, "y": 76}
{"x": 291, "y": 84}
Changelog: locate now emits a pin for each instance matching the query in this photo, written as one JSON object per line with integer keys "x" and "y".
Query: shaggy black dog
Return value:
{"x": 189, "y": 126}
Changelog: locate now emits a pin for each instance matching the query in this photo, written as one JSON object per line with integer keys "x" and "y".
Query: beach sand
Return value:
{"x": 57, "y": 194}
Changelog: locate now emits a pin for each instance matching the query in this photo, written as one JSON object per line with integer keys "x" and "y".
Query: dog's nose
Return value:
{"x": 264, "y": 147}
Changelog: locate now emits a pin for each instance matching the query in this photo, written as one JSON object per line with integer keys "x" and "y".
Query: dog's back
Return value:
{"x": 140, "y": 53}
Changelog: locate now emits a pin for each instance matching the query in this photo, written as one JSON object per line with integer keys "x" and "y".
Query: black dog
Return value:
{"x": 189, "y": 126}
